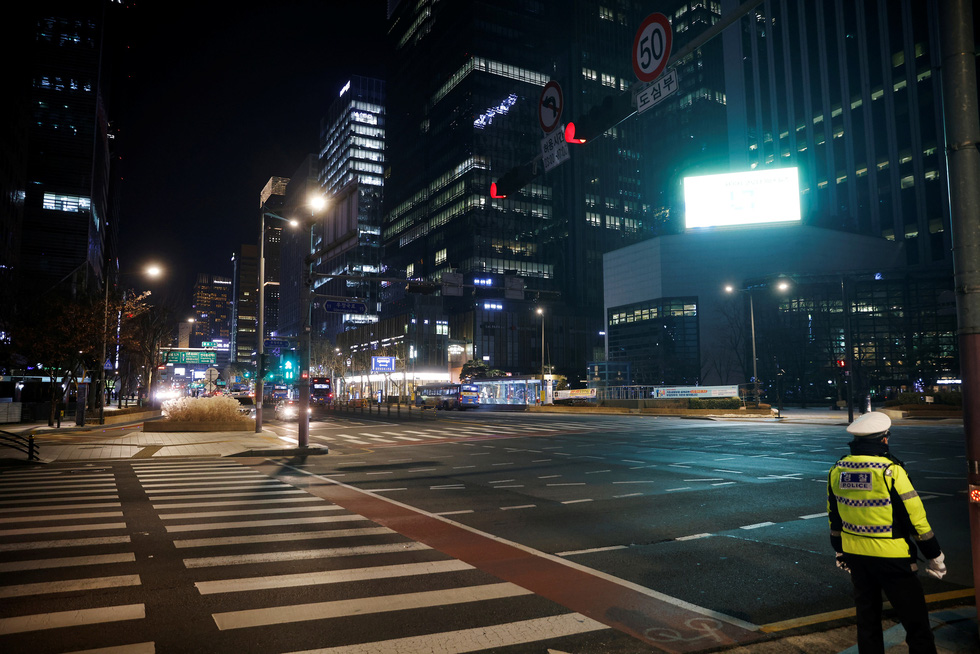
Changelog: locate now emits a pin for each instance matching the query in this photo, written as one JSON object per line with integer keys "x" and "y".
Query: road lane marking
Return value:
{"x": 63, "y": 507}
{"x": 628, "y": 495}
{"x": 365, "y": 606}
{"x": 73, "y": 618}
{"x": 591, "y": 550}
{"x": 478, "y": 639}
{"x": 248, "y": 499}
{"x": 68, "y": 516}
{"x": 463, "y": 512}
{"x": 576, "y": 501}
{"x": 302, "y": 555}
{"x": 67, "y": 562}
{"x": 278, "y": 510}
{"x": 248, "y": 524}
{"x": 274, "y": 538}
{"x": 694, "y": 537}
{"x": 330, "y": 577}
{"x": 70, "y": 586}
{"x": 813, "y": 515}
{"x": 54, "y": 530}
{"x": 757, "y": 525}
{"x": 519, "y": 506}
{"x": 68, "y": 542}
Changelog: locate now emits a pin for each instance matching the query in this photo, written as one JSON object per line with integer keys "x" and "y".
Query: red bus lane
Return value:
{"x": 663, "y": 622}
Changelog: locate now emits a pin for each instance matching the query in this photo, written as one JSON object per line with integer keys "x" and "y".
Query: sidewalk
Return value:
{"x": 129, "y": 441}
{"x": 956, "y": 628}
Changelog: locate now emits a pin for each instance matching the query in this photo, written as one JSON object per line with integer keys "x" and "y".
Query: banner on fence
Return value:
{"x": 576, "y": 394}
{"x": 677, "y": 392}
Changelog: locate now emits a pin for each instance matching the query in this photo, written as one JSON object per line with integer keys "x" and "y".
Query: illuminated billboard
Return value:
{"x": 771, "y": 195}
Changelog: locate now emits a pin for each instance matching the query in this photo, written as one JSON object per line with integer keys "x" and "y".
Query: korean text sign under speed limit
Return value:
{"x": 651, "y": 47}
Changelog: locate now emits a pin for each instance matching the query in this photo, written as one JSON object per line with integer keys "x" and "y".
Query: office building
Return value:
{"x": 351, "y": 170}
{"x": 244, "y": 321}
{"x": 465, "y": 84}
{"x": 62, "y": 207}
{"x": 272, "y": 199}
{"x": 850, "y": 95}
{"x": 212, "y": 315}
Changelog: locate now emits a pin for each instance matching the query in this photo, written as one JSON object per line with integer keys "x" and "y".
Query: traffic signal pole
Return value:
{"x": 962, "y": 127}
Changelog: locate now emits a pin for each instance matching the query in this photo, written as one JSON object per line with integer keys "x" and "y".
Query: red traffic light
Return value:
{"x": 841, "y": 363}
{"x": 570, "y": 134}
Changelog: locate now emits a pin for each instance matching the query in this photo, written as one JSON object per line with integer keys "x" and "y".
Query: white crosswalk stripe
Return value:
{"x": 238, "y": 532}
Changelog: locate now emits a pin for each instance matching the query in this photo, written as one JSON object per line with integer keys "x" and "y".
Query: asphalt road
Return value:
{"x": 473, "y": 531}
{"x": 726, "y": 515}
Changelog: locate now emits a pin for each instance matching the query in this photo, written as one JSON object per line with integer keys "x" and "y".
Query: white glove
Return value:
{"x": 936, "y": 567}
{"x": 841, "y": 564}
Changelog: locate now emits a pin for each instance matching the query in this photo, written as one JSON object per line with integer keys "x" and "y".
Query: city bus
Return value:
{"x": 321, "y": 392}
{"x": 447, "y": 396}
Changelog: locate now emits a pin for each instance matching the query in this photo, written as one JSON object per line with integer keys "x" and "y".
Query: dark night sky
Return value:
{"x": 221, "y": 98}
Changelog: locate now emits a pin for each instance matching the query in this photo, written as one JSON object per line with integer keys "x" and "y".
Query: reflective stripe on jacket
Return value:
{"x": 861, "y": 494}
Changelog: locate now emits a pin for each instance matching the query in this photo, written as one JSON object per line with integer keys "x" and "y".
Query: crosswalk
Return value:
{"x": 212, "y": 555}
{"x": 367, "y": 434}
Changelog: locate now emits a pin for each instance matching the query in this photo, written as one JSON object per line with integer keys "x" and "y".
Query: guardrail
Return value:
{"x": 389, "y": 410}
{"x": 20, "y": 443}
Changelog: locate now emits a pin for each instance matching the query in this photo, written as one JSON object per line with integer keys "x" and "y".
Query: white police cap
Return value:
{"x": 870, "y": 425}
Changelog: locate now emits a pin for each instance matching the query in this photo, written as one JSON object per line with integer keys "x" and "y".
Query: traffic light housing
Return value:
{"x": 600, "y": 118}
{"x": 512, "y": 181}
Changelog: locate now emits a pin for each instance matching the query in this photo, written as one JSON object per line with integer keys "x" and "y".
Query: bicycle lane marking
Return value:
{"x": 654, "y": 618}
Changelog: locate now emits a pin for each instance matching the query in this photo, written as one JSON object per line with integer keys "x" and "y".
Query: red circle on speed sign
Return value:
{"x": 550, "y": 107}
{"x": 651, "y": 47}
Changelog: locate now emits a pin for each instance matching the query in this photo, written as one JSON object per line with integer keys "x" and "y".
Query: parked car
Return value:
{"x": 288, "y": 409}
{"x": 246, "y": 405}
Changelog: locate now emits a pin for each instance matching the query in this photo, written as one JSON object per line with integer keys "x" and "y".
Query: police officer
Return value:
{"x": 874, "y": 511}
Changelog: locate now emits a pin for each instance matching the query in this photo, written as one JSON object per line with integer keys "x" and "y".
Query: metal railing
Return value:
{"x": 20, "y": 443}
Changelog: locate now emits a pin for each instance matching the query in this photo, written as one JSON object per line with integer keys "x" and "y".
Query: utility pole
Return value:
{"x": 962, "y": 127}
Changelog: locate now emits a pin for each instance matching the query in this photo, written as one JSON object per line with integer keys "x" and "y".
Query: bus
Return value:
{"x": 447, "y": 396}
{"x": 321, "y": 392}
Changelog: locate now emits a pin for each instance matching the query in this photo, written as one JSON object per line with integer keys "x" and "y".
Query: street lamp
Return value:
{"x": 151, "y": 270}
{"x": 316, "y": 204}
{"x": 541, "y": 313}
{"x": 782, "y": 286}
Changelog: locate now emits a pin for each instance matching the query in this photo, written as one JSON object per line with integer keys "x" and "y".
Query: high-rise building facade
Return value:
{"x": 69, "y": 218}
{"x": 272, "y": 199}
{"x": 244, "y": 321}
{"x": 351, "y": 171}
{"x": 465, "y": 83}
{"x": 212, "y": 315}
{"x": 850, "y": 95}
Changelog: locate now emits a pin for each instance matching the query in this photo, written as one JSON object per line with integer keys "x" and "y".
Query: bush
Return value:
{"x": 218, "y": 408}
{"x": 944, "y": 398}
{"x": 715, "y": 403}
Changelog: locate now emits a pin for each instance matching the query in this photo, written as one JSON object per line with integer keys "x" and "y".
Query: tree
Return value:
{"x": 474, "y": 369}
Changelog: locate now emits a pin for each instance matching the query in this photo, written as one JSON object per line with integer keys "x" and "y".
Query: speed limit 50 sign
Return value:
{"x": 651, "y": 47}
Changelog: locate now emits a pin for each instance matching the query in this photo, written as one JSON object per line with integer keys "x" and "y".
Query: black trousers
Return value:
{"x": 895, "y": 577}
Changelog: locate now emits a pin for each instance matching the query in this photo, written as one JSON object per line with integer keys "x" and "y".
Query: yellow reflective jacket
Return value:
{"x": 873, "y": 508}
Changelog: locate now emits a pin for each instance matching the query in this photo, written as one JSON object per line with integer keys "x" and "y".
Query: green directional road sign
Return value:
{"x": 184, "y": 357}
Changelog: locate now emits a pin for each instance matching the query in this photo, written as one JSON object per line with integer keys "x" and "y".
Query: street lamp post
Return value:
{"x": 303, "y": 433}
{"x": 781, "y": 286}
{"x": 541, "y": 313}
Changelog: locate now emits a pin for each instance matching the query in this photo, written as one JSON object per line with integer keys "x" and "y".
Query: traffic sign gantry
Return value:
{"x": 651, "y": 47}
